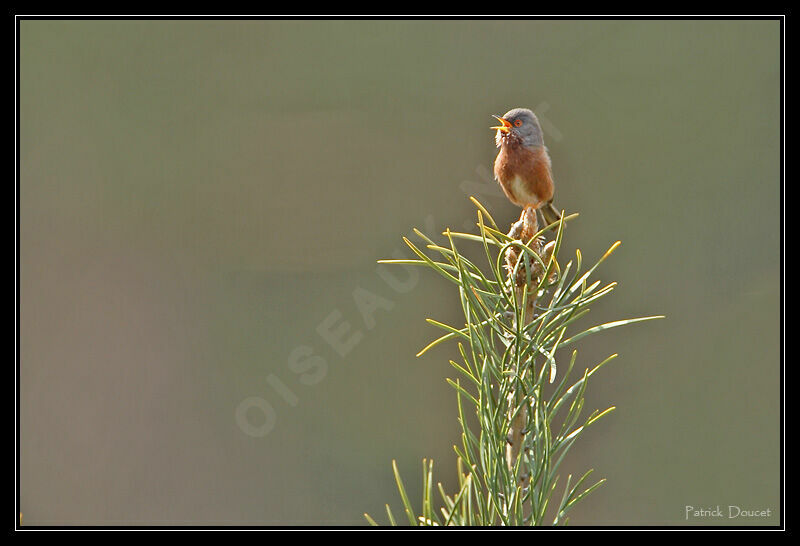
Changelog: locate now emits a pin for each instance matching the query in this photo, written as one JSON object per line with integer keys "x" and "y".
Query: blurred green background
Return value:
{"x": 199, "y": 199}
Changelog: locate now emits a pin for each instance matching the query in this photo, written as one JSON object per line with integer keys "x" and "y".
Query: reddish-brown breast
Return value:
{"x": 524, "y": 174}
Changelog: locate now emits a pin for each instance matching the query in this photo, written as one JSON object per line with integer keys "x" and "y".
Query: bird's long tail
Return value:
{"x": 550, "y": 214}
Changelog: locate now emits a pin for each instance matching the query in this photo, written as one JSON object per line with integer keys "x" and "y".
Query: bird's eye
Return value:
{"x": 517, "y": 122}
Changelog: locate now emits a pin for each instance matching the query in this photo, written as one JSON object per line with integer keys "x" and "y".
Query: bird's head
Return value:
{"x": 518, "y": 126}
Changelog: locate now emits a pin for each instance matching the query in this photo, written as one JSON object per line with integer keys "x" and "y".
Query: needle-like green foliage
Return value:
{"x": 509, "y": 373}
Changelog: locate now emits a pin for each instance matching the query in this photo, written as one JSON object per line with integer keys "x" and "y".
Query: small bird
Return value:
{"x": 523, "y": 166}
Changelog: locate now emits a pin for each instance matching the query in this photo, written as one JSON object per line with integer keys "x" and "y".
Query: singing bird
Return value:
{"x": 523, "y": 166}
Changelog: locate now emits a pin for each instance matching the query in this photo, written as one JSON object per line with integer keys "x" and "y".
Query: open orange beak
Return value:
{"x": 505, "y": 127}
